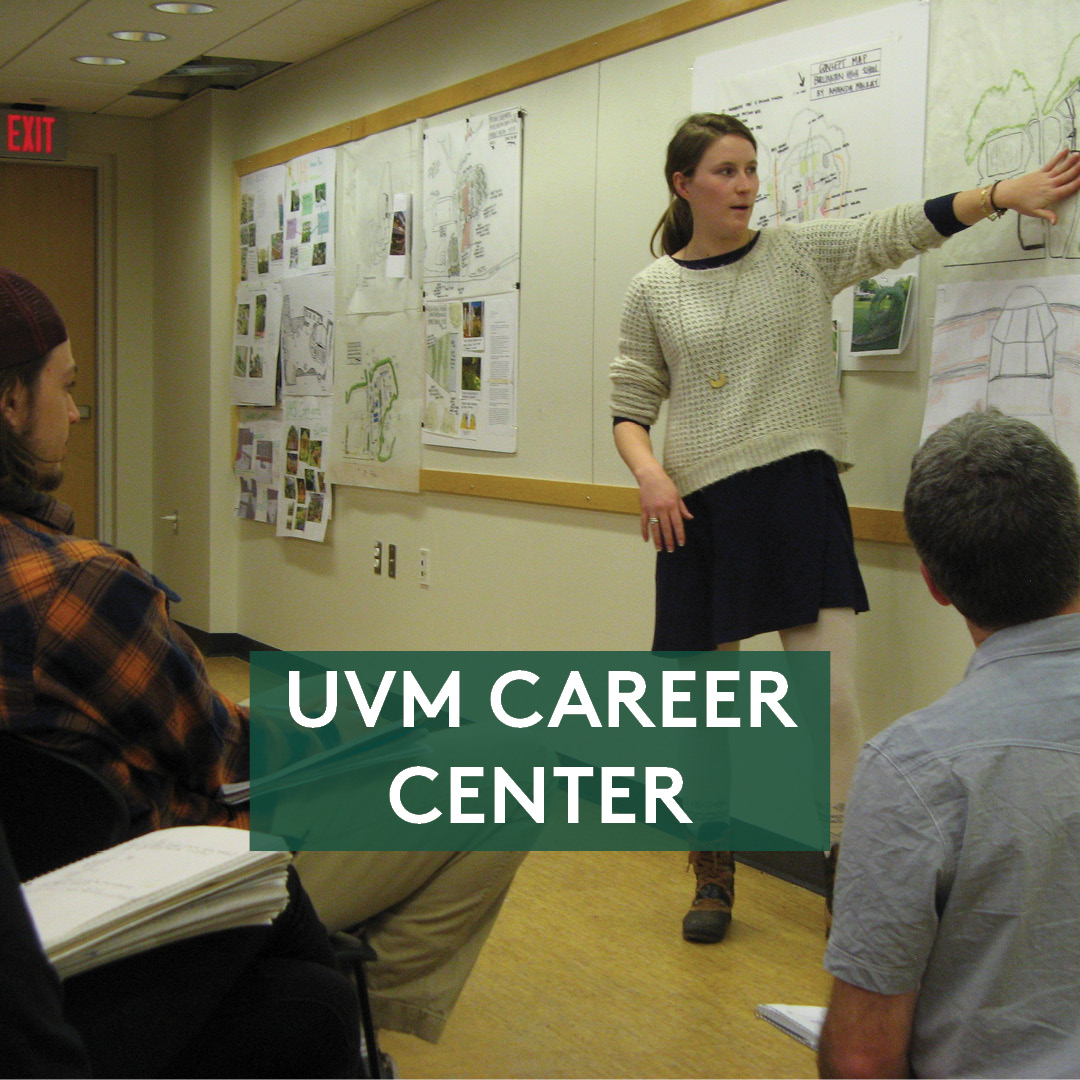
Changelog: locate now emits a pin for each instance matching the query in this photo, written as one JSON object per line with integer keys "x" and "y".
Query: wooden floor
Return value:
{"x": 586, "y": 974}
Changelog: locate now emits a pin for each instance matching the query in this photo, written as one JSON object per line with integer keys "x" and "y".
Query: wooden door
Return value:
{"x": 48, "y": 229}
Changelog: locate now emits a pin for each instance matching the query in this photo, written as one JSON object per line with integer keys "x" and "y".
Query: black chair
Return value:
{"x": 54, "y": 809}
{"x": 352, "y": 951}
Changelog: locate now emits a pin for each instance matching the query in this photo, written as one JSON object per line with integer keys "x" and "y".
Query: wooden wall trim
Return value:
{"x": 868, "y": 523}
{"x": 661, "y": 25}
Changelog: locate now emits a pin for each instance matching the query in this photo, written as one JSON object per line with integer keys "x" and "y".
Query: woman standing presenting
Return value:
{"x": 734, "y": 328}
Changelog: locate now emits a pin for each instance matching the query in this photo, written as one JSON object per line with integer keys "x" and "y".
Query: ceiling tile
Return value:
{"x": 24, "y": 21}
{"x": 74, "y": 96}
{"x": 310, "y": 27}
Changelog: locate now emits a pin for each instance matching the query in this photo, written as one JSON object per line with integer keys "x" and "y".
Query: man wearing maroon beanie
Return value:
{"x": 37, "y": 372}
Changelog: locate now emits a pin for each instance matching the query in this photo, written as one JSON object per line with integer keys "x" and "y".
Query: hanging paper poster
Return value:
{"x": 471, "y": 374}
{"x": 262, "y": 225}
{"x": 1014, "y": 345}
{"x": 258, "y": 466}
{"x": 1008, "y": 100}
{"x": 256, "y": 330}
{"x": 881, "y": 321}
{"x": 307, "y": 335}
{"x": 472, "y": 206}
{"x": 839, "y": 122}
{"x": 378, "y": 383}
{"x": 309, "y": 212}
{"x": 379, "y": 263}
{"x": 306, "y": 495}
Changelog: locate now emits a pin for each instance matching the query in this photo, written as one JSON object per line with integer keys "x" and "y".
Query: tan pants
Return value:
{"x": 427, "y": 915}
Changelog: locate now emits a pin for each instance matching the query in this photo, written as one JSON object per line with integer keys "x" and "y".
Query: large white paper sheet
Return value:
{"x": 1011, "y": 101}
{"x": 472, "y": 206}
{"x": 262, "y": 225}
{"x": 306, "y": 496}
{"x": 1010, "y": 344}
{"x": 839, "y": 119}
{"x": 471, "y": 375}
{"x": 378, "y": 217}
{"x": 309, "y": 212}
{"x": 307, "y": 335}
{"x": 378, "y": 383}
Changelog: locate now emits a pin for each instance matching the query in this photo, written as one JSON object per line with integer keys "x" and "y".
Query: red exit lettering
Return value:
{"x": 29, "y": 134}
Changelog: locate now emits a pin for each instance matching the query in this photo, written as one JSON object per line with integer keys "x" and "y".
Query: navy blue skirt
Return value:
{"x": 766, "y": 550}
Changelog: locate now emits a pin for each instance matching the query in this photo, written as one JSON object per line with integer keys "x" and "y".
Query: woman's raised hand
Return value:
{"x": 1035, "y": 193}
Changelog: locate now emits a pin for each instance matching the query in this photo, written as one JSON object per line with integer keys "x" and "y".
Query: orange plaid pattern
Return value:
{"x": 91, "y": 663}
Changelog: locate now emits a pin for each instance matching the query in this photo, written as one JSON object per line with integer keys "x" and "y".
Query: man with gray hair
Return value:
{"x": 956, "y": 937}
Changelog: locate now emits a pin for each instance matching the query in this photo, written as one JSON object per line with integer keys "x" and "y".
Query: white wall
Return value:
{"x": 502, "y": 575}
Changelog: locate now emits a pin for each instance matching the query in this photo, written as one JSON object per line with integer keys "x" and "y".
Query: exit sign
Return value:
{"x": 33, "y": 134}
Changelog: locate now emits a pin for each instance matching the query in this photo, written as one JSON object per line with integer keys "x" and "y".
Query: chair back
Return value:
{"x": 54, "y": 809}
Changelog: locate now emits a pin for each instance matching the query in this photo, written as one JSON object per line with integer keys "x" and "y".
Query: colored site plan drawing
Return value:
{"x": 1015, "y": 107}
{"x": 472, "y": 206}
{"x": 368, "y": 404}
{"x": 1011, "y": 345}
{"x": 375, "y": 427}
{"x": 834, "y": 119}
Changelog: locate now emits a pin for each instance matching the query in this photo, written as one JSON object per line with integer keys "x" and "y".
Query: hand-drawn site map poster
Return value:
{"x": 307, "y": 335}
{"x": 378, "y": 200}
{"x": 375, "y": 423}
{"x": 839, "y": 123}
{"x": 1008, "y": 100}
{"x": 472, "y": 206}
{"x": 839, "y": 120}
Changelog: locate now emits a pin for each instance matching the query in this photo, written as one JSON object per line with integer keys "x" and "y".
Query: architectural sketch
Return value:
{"x": 1012, "y": 346}
{"x": 1013, "y": 131}
{"x": 306, "y": 342}
{"x": 808, "y": 175}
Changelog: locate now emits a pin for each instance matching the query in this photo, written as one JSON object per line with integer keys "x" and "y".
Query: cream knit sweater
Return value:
{"x": 764, "y": 323}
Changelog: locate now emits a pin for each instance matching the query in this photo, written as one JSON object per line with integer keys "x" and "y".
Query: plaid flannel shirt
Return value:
{"x": 91, "y": 663}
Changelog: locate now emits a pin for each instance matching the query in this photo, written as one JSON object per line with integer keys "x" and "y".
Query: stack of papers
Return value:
{"x": 801, "y": 1022}
{"x": 155, "y": 889}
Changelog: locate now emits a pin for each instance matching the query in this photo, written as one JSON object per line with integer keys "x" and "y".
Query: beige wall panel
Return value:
{"x": 184, "y": 462}
{"x": 503, "y": 576}
{"x": 127, "y": 283}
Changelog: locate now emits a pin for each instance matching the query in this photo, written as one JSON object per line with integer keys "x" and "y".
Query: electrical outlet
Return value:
{"x": 376, "y": 557}
{"x": 391, "y": 560}
{"x": 425, "y": 568}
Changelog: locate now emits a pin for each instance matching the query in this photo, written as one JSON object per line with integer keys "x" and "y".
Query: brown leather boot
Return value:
{"x": 710, "y": 913}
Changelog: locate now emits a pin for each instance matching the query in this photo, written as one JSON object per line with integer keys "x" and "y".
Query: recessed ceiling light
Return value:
{"x": 100, "y": 61}
{"x": 137, "y": 35}
{"x": 185, "y": 9}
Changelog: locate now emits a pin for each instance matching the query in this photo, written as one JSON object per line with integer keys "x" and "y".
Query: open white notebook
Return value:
{"x": 161, "y": 887}
{"x": 801, "y": 1022}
